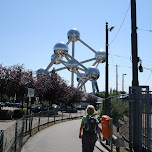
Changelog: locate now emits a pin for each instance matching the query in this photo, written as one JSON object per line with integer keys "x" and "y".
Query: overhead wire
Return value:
{"x": 118, "y": 31}
{"x": 127, "y": 57}
{"x": 124, "y": 56}
{"x": 149, "y": 77}
{"x": 121, "y": 25}
{"x": 144, "y": 29}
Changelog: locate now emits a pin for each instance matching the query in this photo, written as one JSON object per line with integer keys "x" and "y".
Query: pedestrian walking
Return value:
{"x": 89, "y": 126}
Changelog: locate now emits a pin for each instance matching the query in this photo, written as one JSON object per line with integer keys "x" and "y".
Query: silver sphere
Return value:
{"x": 61, "y": 49}
{"x": 71, "y": 66}
{"x": 41, "y": 72}
{"x": 57, "y": 60}
{"x": 82, "y": 77}
{"x": 93, "y": 73}
{"x": 74, "y": 34}
{"x": 101, "y": 55}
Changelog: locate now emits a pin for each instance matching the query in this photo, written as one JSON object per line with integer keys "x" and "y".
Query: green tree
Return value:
{"x": 100, "y": 94}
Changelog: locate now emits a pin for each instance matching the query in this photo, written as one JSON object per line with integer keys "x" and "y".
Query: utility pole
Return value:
{"x": 135, "y": 120}
{"x": 135, "y": 58}
{"x": 107, "y": 103}
{"x": 123, "y": 81}
{"x": 116, "y": 79}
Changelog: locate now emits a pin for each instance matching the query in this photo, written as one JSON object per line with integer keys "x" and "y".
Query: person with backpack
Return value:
{"x": 89, "y": 125}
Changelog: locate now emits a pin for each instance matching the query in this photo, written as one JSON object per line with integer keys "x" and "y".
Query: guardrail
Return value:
{"x": 13, "y": 138}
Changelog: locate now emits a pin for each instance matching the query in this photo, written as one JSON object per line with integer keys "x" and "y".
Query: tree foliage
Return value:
{"x": 92, "y": 99}
{"x": 14, "y": 80}
{"x": 53, "y": 88}
{"x": 100, "y": 94}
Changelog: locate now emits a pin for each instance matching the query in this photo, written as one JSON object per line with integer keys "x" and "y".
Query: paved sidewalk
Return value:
{"x": 60, "y": 137}
{"x": 4, "y": 124}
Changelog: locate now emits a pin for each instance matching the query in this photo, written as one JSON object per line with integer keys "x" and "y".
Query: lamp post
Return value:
{"x": 107, "y": 102}
{"x": 123, "y": 81}
{"x": 116, "y": 80}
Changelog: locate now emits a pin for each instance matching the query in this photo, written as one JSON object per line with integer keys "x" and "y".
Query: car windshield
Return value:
{"x": 35, "y": 106}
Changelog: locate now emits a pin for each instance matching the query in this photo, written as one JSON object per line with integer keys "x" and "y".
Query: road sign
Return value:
{"x": 30, "y": 92}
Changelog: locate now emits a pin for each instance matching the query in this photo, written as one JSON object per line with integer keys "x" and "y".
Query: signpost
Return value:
{"x": 30, "y": 94}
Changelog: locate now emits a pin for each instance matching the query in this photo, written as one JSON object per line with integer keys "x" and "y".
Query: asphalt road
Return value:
{"x": 62, "y": 137}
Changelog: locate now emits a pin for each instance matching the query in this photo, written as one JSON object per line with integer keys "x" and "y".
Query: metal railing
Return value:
{"x": 13, "y": 138}
{"x": 140, "y": 131}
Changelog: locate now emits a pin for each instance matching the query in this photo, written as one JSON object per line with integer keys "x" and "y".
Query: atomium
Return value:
{"x": 57, "y": 60}
{"x": 41, "y": 72}
{"x": 93, "y": 73}
{"x": 61, "y": 56}
{"x": 101, "y": 55}
{"x": 71, "y": 65}
{"x": 61, "y": 49}
{"x": 82, "y": 77}
{"x": 74, "y": 34}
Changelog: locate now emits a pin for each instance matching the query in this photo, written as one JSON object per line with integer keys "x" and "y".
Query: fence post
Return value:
{"x": 30, "y": 124}
{"x": 15, "y": 136}
{"x": 39, "y": 123}
{"x": 26, "y": 125}
{"x": 22, "y": 134}
{"x": 1, "y": 140}
{"x": 62, "y": 115}
{"x": 54, "y": 116}
{"x": 48, "y": 118}
{"x": 111, "y": 126}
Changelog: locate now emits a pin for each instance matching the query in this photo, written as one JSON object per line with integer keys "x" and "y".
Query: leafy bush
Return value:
{"x": 18, "y": 113}
{"x": 9, "y": 114}
{"x": 6, "y": 114}
{"x": 118, "y": 110}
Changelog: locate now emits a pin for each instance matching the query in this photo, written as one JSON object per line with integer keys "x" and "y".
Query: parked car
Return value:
{"x": 8, "y": 104}
{"x": 38, "y": 108}
{"x": 124, "y": 96}
{"x": 35, "y": 109}
{"x": 56, "y": 107}
{"x": 68, "y": 109}
{"x": 17, "y": 105}
{"x": 80, "y": 107}
{"x": 42, "y": 108}
{"x": 2, "y": 104}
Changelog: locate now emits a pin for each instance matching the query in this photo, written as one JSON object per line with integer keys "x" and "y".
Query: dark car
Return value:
{"x": 42, "y": 108}
{"x": 69, "y": 109}
{"x": 17, "y": 105}
{"x": 8, "y": 104}
{"x": 35, "y": 109}
{"x": 38, "y": 108}
{"x": 80, "y": 107}
{"x": 124, "y": 96}
{"x": 2, "y": 104}
{"x": 56, "y": 107}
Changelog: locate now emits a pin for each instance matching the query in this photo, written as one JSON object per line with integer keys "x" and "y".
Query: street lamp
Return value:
{"x": 123, "y": 81}
{"x": 107, "y": 102}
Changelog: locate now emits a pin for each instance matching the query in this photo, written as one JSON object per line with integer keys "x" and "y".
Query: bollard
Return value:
{"x": 1, "y": 140}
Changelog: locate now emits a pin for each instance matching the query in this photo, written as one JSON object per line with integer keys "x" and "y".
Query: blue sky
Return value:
{"x": 29, "y": 29}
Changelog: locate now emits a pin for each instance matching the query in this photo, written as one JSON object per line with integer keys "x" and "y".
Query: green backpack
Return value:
{"x": 91, "y": 124}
